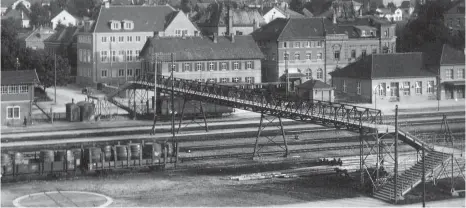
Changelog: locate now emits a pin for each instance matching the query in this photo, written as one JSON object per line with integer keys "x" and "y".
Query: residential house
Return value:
{"x": 454, "y": 18}
{"x": 36, "y": 39}
{"x": 64, "y": 42}
{"x": 386, "y": 78}
{"x": 316, "y": 90}
{"x": 217, "y": 59}
{"x": 20, "y": 14}
{"x": 64, "y": 18}
{"x": 347, "y": 41}
{"x": 17, "y": 96}
{"x": 108, "y": 50}
{"x": 451, "y": 73}
{"x": 272, "y": 13}
{"x": 294, "y": 48}
{"x": 219, "y": 19}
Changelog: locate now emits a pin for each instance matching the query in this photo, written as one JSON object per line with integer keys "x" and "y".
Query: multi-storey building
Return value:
{"x": 218, "y": 59}
{"x": 451, "y": 73}
{"x": 454, "y": 17}
{"x": 346, "y": 41}
{"x": 108, "y": 50}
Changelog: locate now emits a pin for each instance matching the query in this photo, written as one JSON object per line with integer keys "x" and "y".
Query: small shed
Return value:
{"x": 73, "y": 112}
{"x": 316, "y": 90}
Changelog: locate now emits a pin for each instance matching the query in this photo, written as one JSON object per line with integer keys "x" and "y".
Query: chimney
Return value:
{"x": 230, "y": 21}
{"x": 334, "y": 15}
{"x": 215, "y": 37}
{"x": 232, "y": 37}
{"x": 107, "y": 4}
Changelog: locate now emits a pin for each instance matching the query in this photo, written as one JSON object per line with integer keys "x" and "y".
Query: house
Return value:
{"x": 387, "y": 13}
{"x": 13, "y": 4}
{"x": 36, "y": 39}
{"x": 64, "y": 42}
{"x": 19, "y": 14}
{"x": 454, "y": 18}
{"x": 315, "y": 90}
{"x": 64, "y": 18}
{"x": 451, "y": 73}
{"x": 108, "y": 50}
{"x": 217, "y": 59}
{"x": 272, "y": 13}
{"x": 17, "y": 96}
{"x": 294, "y": 47}
{"x": 222, "y": 20}
{"x": 385, "y": 78}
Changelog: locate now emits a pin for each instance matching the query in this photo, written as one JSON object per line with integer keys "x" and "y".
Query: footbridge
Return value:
{"x": 365, "y": 121}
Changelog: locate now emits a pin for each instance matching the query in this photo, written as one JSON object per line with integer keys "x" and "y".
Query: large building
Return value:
{"x": 108, "y": 50}
{"x": 271, "y": 13}
{"x": 17, "y": 96}
{"x": 386, "y": 78}
{"x": 452, "y": 73}
{"x": 220, "y": 59}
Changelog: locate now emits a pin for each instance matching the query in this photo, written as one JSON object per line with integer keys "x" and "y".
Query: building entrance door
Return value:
{"x": 449, "y": 93}
{"x": 394, "y": 92}
{"x": 460, "y": 92}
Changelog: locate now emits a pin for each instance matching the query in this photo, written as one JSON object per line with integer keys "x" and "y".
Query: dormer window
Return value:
{"x": 128, "y": 24}
{"x": 115, "y": 25}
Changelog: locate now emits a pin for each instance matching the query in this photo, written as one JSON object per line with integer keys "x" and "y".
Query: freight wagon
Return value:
{"x": 192, "y": 107}
{"x": 92, "y": 159}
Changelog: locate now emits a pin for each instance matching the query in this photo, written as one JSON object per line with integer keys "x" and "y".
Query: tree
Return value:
{"x": 186, "y": 6}
{"x": 391, "y": 6}
{"x": 10, "y": 42}
{"x": 39, "y": 14}
{"x": 296, "y": 5}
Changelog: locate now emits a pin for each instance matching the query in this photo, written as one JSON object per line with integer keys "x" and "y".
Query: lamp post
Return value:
{"x": 55, "y": 77}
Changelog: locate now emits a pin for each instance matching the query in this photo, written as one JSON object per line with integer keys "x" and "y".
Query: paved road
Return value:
{"x": 371, "y": 202}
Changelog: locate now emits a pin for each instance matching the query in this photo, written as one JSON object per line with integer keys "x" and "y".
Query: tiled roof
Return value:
{"x": 379, "y": 66}
{"x": 64, "y": 35}
{"x": 145, "y": 18}
{"x": 314, "y": 84}
{"x": 270, "y": 31}
{"x": 290, "y": 13}
{"x": 40, "y": 34}
{"x": 204, "y": 48}
{"x": 432, "y": 52}
{"x": 19, "y": 77}
{"x": 217, "y": 15}
{"x": 451, "y": 56}
{"x": 293, "y": 28}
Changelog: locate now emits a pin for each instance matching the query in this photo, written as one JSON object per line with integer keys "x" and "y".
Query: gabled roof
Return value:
{"x": 293, "y": 28}
{"x": 64, "y": 35}
{"x": 314, "y": 84}
{"x": 379, "y": 66}
{"x": 63, "y": 11}
{"x": 216, "y": 15}
{"x": 307, "y": 13}
{"x": 204, "y": 48}
{"x": 40, "y": 34}
{"x": 19, "y": 77}
{"x": 451, "y": 56}
{"x": 289, "y": 13}
{"x": 145, "y": 18}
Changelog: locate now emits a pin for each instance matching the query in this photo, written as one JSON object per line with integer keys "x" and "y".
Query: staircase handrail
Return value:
{"x": 407, "y": 134}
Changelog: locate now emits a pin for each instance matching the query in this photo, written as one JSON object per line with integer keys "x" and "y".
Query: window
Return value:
{"x": 319, "y": 44}
{"x": 363, "y": 33}
{"x": 344, "y": 85}
{"x": 406, "y": 89}
{"x": 430, "y": 87}
{"x": 80, "y": 55}
{"x": 89, "y": 59}
{"x": 319, "y": 56}
{"x": 285, "y": 45}
{"x": 249, "y": 80}
{"x": 121, "y": 72}
{"x": 236, "y": 79}
{"x": 308, "y": 44}
{"x": 286, "y": 56}
{"x": 223, "y": 66}
{"x": 358, "y": 87}
{"x": 212, "y": 80}
{"x": 13, "y": 112}
{"x": 114, "y": 59}
{"x": 103, "y": 56}
{"x": 460, "y": 74}
{"x": 308, "y": 56}
{"x": 4, "y": 89}
{"x": 198, "y": 67}
{"x": 121, "y": 55}
{"x": 382, "y": 89}
{"x": 297, "y": 44}
{"x": 103, "y": 73}
{"x": 308, "y": 73}
{"x": 121, "y": 39}
{"x": 138, "y": 38}
{"x": 363, "y": 53}
{"x": 112, "y": 39}
{"x": 116, "y": 25}
{"x": 353, "y": 54}
{"x": 336, "y": 55}
{"x": 374, "y": 50}
{"x": 200, "y": 80}
{"x": 129, "y": 55}
{"x": 419, "y": 87}
{"x": 449, "y": 74}
{"x": 297, "y": 56}
{"x": 138, "y": 72}
{"x": 235, "y": 65}
{"x": 129, "y": 72}
{"x": 211, "y": 66}
{"x": 249, "y": 65}
{"x": 104, "y": 39}
{"x": 320, "y": 74}
{"x": 223, "y": 80}
{"x": 129, "y": 39}
{"x": 128, "y": 25}
{"x": 136, "y": 54}
{"x": 187, "y": 67}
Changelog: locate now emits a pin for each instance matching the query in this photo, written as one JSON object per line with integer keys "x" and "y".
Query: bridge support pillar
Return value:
{"x": 201, "y": 110}
{"x": 270, "y": 139}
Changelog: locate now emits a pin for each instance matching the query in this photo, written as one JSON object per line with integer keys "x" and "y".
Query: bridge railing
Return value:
{"x": 293, "y": 107}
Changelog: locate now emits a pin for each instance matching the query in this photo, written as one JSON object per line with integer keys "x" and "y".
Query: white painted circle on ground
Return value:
{"x": 63, "y": 199}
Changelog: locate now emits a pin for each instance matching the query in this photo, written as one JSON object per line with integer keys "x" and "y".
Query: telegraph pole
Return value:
{"x": 396, "y": 154}
{"x": 55, "y": 66}
{"x": 173, "y": 97}
{"x": 424, "y": 176}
